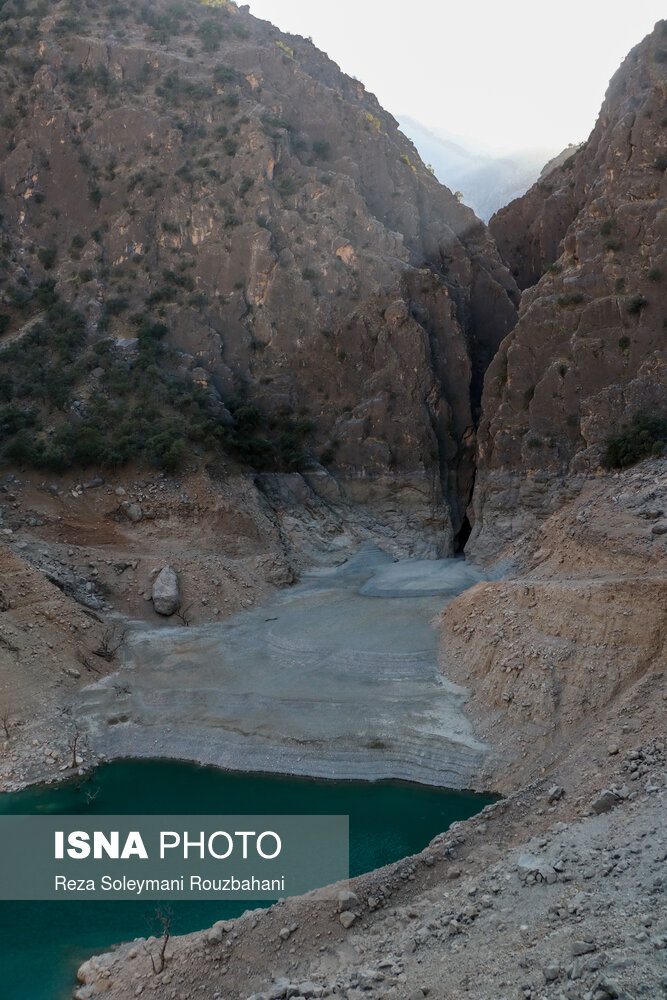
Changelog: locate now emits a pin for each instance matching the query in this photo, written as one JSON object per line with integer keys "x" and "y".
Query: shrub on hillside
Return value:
{"x": 645, "y": 435}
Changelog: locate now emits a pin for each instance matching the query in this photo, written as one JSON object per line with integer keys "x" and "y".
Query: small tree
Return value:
{"x": 5, "y": 722}
{"x": 75, "y": 743}
{"x": 163, "y": 916}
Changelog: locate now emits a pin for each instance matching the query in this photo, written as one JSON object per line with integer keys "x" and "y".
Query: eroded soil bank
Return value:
{"x": 557, "y": 890}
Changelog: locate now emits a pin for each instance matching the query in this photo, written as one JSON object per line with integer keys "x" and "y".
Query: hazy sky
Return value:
{"x": 507, "y": 75}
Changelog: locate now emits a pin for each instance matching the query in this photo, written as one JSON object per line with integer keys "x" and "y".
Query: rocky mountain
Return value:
{"x": 582, "y": 379}
{"x": 232, "y": 293}
{"x": 487, "y": 181}
{"x": 215, "y": 244}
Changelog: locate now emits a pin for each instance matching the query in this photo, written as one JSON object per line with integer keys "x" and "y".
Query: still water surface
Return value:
{"x": 42, "y": 944}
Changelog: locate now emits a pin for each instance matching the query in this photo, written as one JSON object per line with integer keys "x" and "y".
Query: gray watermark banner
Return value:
{"x": 170, "y": 857}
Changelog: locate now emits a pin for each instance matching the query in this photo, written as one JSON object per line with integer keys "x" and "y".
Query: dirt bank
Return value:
{"x": 554, "y": 891}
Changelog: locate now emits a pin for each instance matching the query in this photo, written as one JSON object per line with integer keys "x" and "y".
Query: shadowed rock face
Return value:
{"x": 530, "y": 229}
{"x": 589, "y": 349}
{"x": 194, "y": 164}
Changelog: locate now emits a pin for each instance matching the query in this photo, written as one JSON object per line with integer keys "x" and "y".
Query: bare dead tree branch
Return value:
{"x": 75, "y": 743}
{"x": 182, "y": 615}
{"x": 164, "y": 917}
{"x": 91, "y": 796}
{"x": 4, "y": 641}
{"x": 110, "y": 643}
{"x": 5, "y": 722}
{"x": 84, "y": 661}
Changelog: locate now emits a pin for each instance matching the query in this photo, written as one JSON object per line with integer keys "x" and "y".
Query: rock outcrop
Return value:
{"x": 206, "y": 184}
{"x": 588, "y": 352}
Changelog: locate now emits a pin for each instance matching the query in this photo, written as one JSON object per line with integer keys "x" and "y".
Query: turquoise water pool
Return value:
{"x": 42, "y": 944}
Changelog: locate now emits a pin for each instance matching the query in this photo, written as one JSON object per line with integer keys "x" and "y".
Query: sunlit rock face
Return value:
{"x": 588, "y": 352}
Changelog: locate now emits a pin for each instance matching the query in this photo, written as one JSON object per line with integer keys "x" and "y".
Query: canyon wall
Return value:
{"x": 588, "y": 353}
{"x": 190, "y": 174}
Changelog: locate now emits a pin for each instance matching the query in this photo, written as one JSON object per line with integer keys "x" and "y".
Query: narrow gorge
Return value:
{"x": 308, "y": 476}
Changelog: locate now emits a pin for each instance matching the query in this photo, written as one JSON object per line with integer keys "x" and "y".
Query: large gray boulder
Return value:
{"x": 166, "y": 593}
{"x": 132, "y": 511}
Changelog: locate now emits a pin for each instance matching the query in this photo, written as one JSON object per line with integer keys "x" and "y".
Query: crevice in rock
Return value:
{"x": 461, "y": 539}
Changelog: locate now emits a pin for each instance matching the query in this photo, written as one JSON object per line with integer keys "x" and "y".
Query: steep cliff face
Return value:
{"x": 530, "y": 229}
{"x": 588, "y": 353}
{"x": 185, "y": 178}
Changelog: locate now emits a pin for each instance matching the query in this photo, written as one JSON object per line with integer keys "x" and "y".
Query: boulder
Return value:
{"x": 166, "y": 593}
{"x": 346, "y": 899}
{"x": 605, "y": 801}
{"x": 132, "y": 511}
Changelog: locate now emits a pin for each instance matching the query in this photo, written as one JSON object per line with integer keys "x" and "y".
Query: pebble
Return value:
{"x": 605, "y": 801}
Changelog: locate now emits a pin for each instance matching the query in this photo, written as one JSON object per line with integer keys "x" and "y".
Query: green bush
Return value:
{"x": 47, "y": 257}
{"x": 140, "y": 410}
{"x": 224, "y": 74}
{"x": 161, "y": 26}
{"x": 211, "y": 34}
{"x": 274, "y": 124}
{"x": 14, "y": 419}
{"x": 245, "y": 186}
{"x": 116, "y": 306}
{"x": 45, "y": 292}
{"x": 21, "y": 448}
{"x": 322, "y": 149}
{"x": 287, "y": 186}
{"x": 636, "y": 304}
{"x": 645, "y": 435}
{"x": 574, "y": 299}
